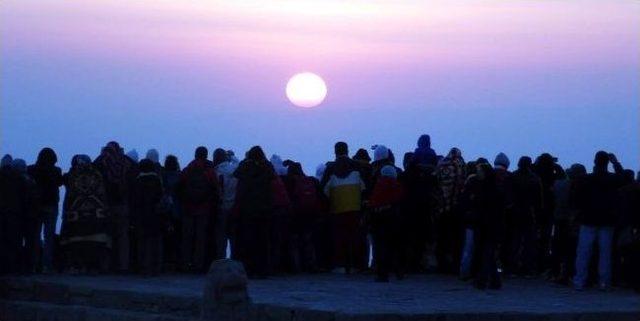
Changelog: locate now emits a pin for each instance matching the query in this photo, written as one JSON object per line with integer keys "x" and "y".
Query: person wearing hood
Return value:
{"x": 386, "y": 222}
{"x": 488, "y": 204}
{"x": 118, "y": 172}
{"x": 154, "y": 157}
{"x": 29, "y": 227}
{"x": 253, "y": 212}
{"x": 48, "y": 178}
{"x": 13, "y": 209}
{"x": 305, "y": 210}
{"x": 171, "y": 240}
{"x": 628, "y": 230}
{"x": 85, "y": 237}
{"x": 199, "y": 196}
{"x": 522, "y": 249}
{"x": 280, "y": 217}
{"x": 148, "y": 218}
{"x": 424, "y": 154}
{"x": 342, "y": 183}
{"x": 597, "y": 219}
{"x": 224, "y": 168}
{"x": 504, "y": 182}
{"x": 451, "y": 176}
{"x": 133, "y": 155}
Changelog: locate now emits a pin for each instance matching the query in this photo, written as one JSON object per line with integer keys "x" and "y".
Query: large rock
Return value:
{"x": 225, "y": 293}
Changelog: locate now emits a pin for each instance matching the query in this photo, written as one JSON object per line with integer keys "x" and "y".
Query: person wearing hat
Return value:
{"x": 384, "y": 204}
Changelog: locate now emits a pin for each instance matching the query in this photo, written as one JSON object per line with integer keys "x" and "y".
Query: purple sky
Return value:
{"x": 521, "y": 77}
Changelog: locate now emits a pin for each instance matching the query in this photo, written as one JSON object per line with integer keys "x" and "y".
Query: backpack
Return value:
{"x": 305, "y": 194}
{"x": 198, "y": 188}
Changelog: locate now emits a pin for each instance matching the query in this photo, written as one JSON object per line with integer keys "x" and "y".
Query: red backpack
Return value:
{"x": 305, "y": 195}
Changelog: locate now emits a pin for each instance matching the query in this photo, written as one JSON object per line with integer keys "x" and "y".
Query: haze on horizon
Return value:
{"x": 522, "y": 77}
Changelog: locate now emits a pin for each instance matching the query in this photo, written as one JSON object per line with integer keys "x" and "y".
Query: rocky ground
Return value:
{"x": 324, "y": 297}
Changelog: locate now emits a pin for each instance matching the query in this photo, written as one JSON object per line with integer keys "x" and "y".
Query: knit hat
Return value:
{"x": 380, "y": 152}
{"x": 153, "y": 155}
{"x": 502, "y": 160}
{"x": 133, "y": 154}
{"x": 19, "y": 165}
{"x": 6, "y": 160}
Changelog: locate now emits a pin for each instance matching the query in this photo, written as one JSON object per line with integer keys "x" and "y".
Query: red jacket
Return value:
{"x": 210, "y": 203}
{"x": 387, "y": 192}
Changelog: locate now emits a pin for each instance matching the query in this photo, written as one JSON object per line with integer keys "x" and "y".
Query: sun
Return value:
{"x": 306, "y": 90}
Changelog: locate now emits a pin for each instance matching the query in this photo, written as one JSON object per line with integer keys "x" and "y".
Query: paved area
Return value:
{"x": 353, "y": 295}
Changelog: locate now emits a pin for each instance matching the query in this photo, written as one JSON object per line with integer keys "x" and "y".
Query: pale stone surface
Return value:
{"x": 225, "y": 294}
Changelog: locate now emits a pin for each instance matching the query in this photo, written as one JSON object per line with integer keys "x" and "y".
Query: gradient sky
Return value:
{"x": 521, "y": 77}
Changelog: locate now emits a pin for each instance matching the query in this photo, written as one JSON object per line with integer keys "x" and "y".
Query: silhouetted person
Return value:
{"x": 548, "y": 171}
{"x": 451, "y": 176}
{"x": 424, "y": 154}
{"x": 118, "y": 172}
{"x": 522, "y": 250}
{"x": 170, "y": 179}
{"x": 469, "y": 219}
{"x": 386, "y": 223}
{"x": 85, "y": 237}
{"x": 199, "y": 199}
{"x": 225, "y": 164}
{"x": 305, "y": 210}
{"x": 280, "y": 218}
{"x": 13, "y": 205}
{"x": 147, "y": 218}
{"x": 629, "y": 230}
{"x": 48, "y": 178}
{"x": 254, "y": 206}
{"x": 597, "y": 219}
{"x": 343, "y": 185}
{"x": 29, "y": 238}
{"x": 489, "y": 207}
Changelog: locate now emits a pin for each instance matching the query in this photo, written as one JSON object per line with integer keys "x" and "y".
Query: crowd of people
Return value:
{"x": 436, "y": 214}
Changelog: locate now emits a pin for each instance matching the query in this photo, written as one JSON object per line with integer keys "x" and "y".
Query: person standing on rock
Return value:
{"x": 48, "y": 178}
{"x": 224, "y": 164}
{"x": 386, "y": 222}
{"x": 148, "y": 218}
{"x": 343, "y": 185}
{"x": 85, "y": 237}
{"x": 253, "y": 212}
{"x": 598, "y": 218}
{"x": 119, "y": 172}
{"x": 198, "y": 190}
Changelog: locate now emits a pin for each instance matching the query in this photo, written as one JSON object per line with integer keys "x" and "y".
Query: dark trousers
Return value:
{"x": 254, "y": 246}
{"x": 10, "y": 238}
{"x": 488, "y": 273}
{"x": 345, "y": 233}
{"x": 387, "y": 246}
{"x": 32, "y": 249}
{"x": 563, "y": 250}
{"x": 149, "y": 248}
{"x": 523, "y": 248}
{"x": 448, "y": 242}
{"x": 280, "y": 232}
{"x": 194, "y": 240}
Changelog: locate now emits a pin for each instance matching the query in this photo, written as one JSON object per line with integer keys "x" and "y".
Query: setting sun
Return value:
{"x": 306, "y": 90}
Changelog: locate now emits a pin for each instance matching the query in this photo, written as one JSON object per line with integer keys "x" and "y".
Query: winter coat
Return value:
{"x": 598, "y": 199}
{"x": 343, "y": 185}
{"x": 198, "y": 188}
{"x": 228, "y": 183}
{"x": 85, "y": 216}
{"x": 147, "y": 193}
{"x": 48, "y": 179}
{"x": 253, "y": 194}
